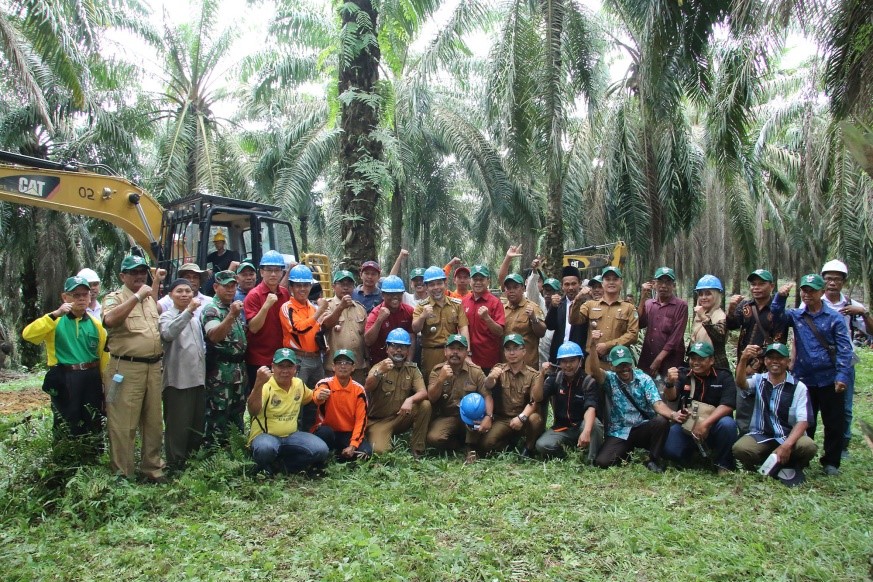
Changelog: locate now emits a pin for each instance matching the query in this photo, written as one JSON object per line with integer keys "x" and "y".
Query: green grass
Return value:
{"x": 395, "y": 519}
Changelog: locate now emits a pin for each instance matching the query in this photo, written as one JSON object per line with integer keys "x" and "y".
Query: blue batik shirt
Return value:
{"x": 623, "y": 416}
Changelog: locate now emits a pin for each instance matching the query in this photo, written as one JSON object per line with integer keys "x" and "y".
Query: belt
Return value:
{"x": 303, "y": 354}
{"x": 84, "y": 366}
{"x": 137, "y": 360}
{"x": 231, "y": 359}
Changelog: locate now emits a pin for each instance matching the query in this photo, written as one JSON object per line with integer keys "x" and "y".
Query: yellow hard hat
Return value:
{"x": 219, "y": 236}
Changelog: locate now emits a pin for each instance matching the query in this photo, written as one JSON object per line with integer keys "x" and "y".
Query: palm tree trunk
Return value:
{"x": 396, "y": 220}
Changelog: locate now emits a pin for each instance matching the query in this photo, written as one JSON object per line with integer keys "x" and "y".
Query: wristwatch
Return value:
{"x": 522, "y": 417}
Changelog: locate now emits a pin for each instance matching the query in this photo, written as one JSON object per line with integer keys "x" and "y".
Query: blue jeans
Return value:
{"x": 297, "y": 451}
{"x": 680, "y": 447}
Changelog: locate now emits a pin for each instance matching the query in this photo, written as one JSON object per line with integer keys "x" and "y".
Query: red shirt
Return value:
{"x": 486, "y": 346}
{"x": 263, "y": 345}
{"x": 401, "y": 318}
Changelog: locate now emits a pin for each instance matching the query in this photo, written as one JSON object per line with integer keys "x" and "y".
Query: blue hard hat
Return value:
{"x": 272, "y": 259}
{"x": 709, "y": 282}
{"x": 399, "y": 336}
{"x": 433, "y": 273}
{"x": 393, "y": 284}
{"x": 569, "y": 350}
{"x": 472, "y": 408}
{"x": 300, "y": 274}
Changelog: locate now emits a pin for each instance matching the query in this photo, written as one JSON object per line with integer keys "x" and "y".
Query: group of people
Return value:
{"x": 462, "y": 369}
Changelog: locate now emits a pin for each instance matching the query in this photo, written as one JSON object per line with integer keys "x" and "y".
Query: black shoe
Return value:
{"x": 527, "y": 453}
{"x": 654, "y": 467}
{"x": 316, "y": 472}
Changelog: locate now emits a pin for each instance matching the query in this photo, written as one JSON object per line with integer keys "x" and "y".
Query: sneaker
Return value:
{"x": 471, "y": 458}
{"x": 844, "y": 455}
{"x": 654, "y": 467}
{"x": 790, "y": 477}
{"x": 830, "y": 470}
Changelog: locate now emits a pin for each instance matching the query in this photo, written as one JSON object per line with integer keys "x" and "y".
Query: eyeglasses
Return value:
{"x": 343, "y": 363}
{"x": 833, "y": 278}
{"x": 272, "y": 270}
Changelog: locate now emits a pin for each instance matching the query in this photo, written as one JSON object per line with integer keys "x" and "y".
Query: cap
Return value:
{"x": 464, "y": 269}
{"x": 178, "y": 282}
{"x": 762, "y": 274}
{"x": 344, "y": 354}
{"x": 192, "y": 267}
{"x": 702, "y": 349}
{"x": 790, "y": 477}
{"x": 513, "y": 338}
{"x": 89, "y": 274}
{"x": 780, "y": 349}
{"x": 664, "y": 272}
{"x": 371, "y": 265}
{"x": 225, "y": 277}
{"x": 343, "y": 274}
{"x": 457, "y": 338}
{"x": 419, "y": 272}
{"x": 620, "y": 355}
{"x": 285, "y": 355}
{"x": 132, "y": 262}
{"x": 74, "y": 282}
{"x": 812, "y": 280}
{"x": 480, "y": 270}
{"x": 243, "y": 266}
{"x": 514, "y": 277}
{"x": 610, "y": 269}
{"x": 596, "y": 280}
{"x": 553, "y": 283}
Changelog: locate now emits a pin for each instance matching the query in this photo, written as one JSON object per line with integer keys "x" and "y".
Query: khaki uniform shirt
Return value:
{"x": 392, "y": 389}
{"x": 512, "y": 392}
{"x": 469, "y": 379}
{"x": 619, "y": 322}
{"x": 447, "y": 318}
{"x": 517, "y": 321}
{"x": 139, "y": 335}
{"x": 347, "y": 334}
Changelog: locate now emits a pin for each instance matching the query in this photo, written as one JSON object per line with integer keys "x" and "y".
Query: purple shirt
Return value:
{"x": 665, "y": 330}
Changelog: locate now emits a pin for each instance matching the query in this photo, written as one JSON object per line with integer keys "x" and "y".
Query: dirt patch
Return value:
{"x": 22, "y": 400}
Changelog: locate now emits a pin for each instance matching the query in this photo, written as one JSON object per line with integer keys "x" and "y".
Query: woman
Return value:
{"x": 184, "y": 375}
{"x": 709, "y": 324}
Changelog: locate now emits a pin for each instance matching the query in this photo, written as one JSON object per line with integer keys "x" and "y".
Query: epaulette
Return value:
{"x": 423, "y": 302}
{"x": 455, "y": 300}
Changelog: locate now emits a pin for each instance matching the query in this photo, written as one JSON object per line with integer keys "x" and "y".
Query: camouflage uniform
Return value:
{"x": 225, "y": 375}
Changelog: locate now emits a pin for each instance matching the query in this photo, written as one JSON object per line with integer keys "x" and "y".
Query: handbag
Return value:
{"x": 699, "y": 410}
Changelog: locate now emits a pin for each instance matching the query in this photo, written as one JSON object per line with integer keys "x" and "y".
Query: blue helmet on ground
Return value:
{"x": 393, "y": 284}
{"x": 433, "y": 273}
{"x": 272, "y": 259}
{"x": 399, "y": 336}
{"x": 569, "y": 350}
{"x": 709, "y": 282}
{"x": 300, "y": 274}
{"x": 472, "y": 408}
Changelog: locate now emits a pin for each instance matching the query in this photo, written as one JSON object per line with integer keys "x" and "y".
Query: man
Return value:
{"x": 447, "y": 384}
{"x": 575, "y": 399}
{"x": 368, "y": 293}
{"x": 611, "y": 321}
{"x": 638, "y": 418}
{"x": 857, "y": 318}
{"x": 486, "y": 319}
{"x": 558, "y": 317}
{"x": 398, "y": 397}
{"x": 664, "y": 318}
{"x": 780, "y": 418}
{"x": 343, "y": 324}
{"x": 74, "y": 341}
{"x": 263, "y": 324}
{"x": 523, "y": 317}
{"x": 274, "y": 405}
{"x": 461, "y": 278}
{"x": 757, "y": 327}
{"x": 221, "y": 257}
{"x": 225, "y": 335}
{"x": 392, "y": 313}
{"x": 94, "y": 284}
{"x": 246, "y": 279}
{"x": 436, "y": 319}
{"x": 416, "y": 281}
{"x": 596, "y": 286}
{"x": 133, "y": 378}
{"x": 702, "y": 382}
{"x": 823, "y": 362}
{"x": 192, "y": 273}
{"x": 343, "y": 416}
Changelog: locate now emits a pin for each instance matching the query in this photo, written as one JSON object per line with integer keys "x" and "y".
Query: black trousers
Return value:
{"x": 650, "y": 436}
{"x": 77, "y": 400}
{"x": 832, "y": 405}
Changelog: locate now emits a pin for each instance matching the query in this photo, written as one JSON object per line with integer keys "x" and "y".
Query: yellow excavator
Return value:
{"x": 590, "y": 260}
{"x": 173, "y": 235}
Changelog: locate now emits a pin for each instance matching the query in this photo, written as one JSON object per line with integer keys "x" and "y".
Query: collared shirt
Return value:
{"x": 665, "y": 331}
{"x": 743, "y": 318}
{"x": 401, "y": 318}
{"x": 348, "y": 333}
{"x": 447, "y": 318}
{"x": 623, "y": 415}
{"x": 368, "y": 300}
{"x": 484, "y": 345}
{"x": 411, "y": 300}
{"x": 512, "y": 391}
{"x": 852, "y": 321}
{"x": 813, "y": 365}
{"x": 393, "y": 388}
{"x": 299, "y": 326}
{"x": 618, "y": 321}
{"x": 263, "y": 344}
{"x": 571, "y": 399}
{"x": 716, "y": 388}
{"x": 138, "y": 335}
{"x": 184, "y": 348}
{"x": 96, "y": 311}
{"x": 518, "y": 321}
{"x": 279, "y": 408}
{"x": 456, "y": 294}
{"x": 469, "y": 378}
{"x": 345, "y": 410}
{"x": 777, "y": 408}
{"x": 69, "y": 339}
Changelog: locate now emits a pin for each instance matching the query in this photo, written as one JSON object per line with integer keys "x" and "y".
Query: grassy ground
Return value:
{"x": 395, "y": 519}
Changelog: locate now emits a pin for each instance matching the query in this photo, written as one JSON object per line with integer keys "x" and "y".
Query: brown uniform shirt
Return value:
{"x": 139, "y": 336}
{"x": 469, "y": 379}
{"x": 392, "y": 389}
{"x": 619, "y": 322}
{"x": 517, "y": 321}
{"x": 512, "y": 392}
{"x": 447, "y": 318}
{"x": 348, "y": 334}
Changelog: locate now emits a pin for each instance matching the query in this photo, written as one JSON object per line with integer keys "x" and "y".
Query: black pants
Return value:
{"x": 336, "y": 441}
{"x": 833, "y": 416}
{"x": 650, "y": 435}
{"x": 77, "y": 401}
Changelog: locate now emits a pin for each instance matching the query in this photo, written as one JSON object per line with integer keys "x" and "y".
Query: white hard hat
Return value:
{"x": 89, "y": 275}
{"x": 835, "y": 266}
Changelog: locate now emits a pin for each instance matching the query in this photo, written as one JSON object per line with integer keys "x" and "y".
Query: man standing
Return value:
{"x": 391, "y": 314}
{"x": 94, "y": 284}
{"x": 398, "y": 397}
{"x": 343, "y": 324}
{"x": 74, "y": 342}
{"x": 436, "y": 319}
{"x": 523, "y": 317}
{"x": 368, "y": 293}
{"x": 225, "y": 361}
{"x": 246, "y": 279}
{"x": 192, "y": 273}
{"x": 133, "y": 378}
{"x": 664, "y": 318}
{"x": 416, "y": 281}
{"x": 461, "y": 278}
{"x": 486, "y": 319}
{"x": 857, "y": 318}
{"x": 221, "y": 257}
{"x": 262, "y": 305}
{"x": 558, "y": 316}
{"x": 823, "y": 361}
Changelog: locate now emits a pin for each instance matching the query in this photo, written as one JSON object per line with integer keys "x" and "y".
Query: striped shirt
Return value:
{"x": 777, "y": 408}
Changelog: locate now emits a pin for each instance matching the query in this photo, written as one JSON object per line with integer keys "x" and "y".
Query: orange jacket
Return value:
{"x": 345, "y": 410}
{"x": 299, "y": 326}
